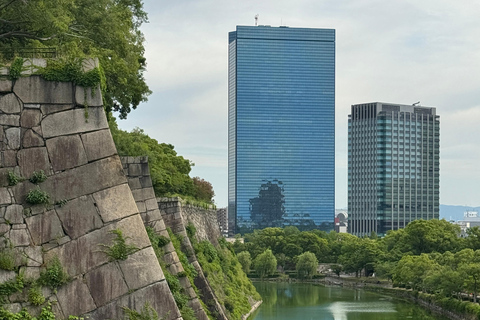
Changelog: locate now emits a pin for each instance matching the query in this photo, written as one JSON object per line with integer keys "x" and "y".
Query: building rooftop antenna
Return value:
{"x": 256, "y": 19}
{"x": 416, "y": 103}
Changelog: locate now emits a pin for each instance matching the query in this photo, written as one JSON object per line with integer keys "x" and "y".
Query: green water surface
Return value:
{"x": 282, "y": 301}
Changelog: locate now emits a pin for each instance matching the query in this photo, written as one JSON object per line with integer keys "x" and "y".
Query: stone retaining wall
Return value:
{"x": 139, "y": 180}
{"x": 43, "y": 127}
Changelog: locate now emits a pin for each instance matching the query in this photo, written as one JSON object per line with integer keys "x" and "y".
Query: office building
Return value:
{"x": 281, "y": 128}
{"x": 393, "y": 166}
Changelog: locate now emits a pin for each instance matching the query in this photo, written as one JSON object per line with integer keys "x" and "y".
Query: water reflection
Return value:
{"x": 284, "y": 301}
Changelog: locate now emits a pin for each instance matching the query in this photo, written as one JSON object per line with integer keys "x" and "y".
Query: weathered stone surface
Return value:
{"x": 79, "y": 216}
{"x": 32, "y": 272}
{"x": 13, "y": 137}
{"x": 141, "y": 269}
{"x": 19, "y": 237}
{"x": 73, "y": 121}
{"x": 53, "y": 108}
{"x": 4, "y": 228}
{"x": 14, "y": 214}
{"x": 9, "y": 104}
{"x": 31, "y": 65}
{"x": 83, "y": 180}
{"x": 10, "y": 120}
{"x": 158, "y": 296}
{"x": 106, "y": 283}
{"x": 66, "y": 152}
{"x": 98, "y": 144}
{"x": 32, "y": 139}
{"x": 141, "y": 207}
{"x": 115, "y": 203}
{"x": 134, "y": 229}
{"x": 34, "y": 89}
{"x": 6, "y": 275}
{"x": 9, "y": 158}
{"x": 35, "y": 257}
{"x": 33, "y": 159}
{"x": 5, "y": 85}
{"x": 83, "y": 254}
{"x": 90, "y": 64}
{"x": 151, "y": 204}
{"x": 153, "y": 215}
{"x": 32, "y": 105}
{"x": 5, "y": 197}
{"x": 143, "y": 194}
{"x": 134, "y": 183}
{"x": 44, "y": 227}
{"x": 30, "y": 118}
{"x": 94, "y": 97}
{"x": 69, "y": 298}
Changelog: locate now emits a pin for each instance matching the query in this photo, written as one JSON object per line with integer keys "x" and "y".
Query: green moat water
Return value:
{"x": 305, "y": 301}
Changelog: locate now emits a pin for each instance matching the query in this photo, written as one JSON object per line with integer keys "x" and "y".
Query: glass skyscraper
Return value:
{"x": 393, "y": 166}
{"x": 281, "y": 168}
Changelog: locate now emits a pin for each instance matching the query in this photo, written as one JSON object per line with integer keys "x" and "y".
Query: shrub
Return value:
{"x": 147, "y": 313}
{"x": 120, "y": 250}
{"x": 35, "y": 296}
{"x": 38, "y": 177}
{"x": 54, "y": 275}
{"x": 7, "y": 260}
{"x": 13, "y": 179}
{"x": 37, "y": 196}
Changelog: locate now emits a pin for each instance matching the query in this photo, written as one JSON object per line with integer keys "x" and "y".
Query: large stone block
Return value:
{"x": 158, "y": 296}
{"x": 74, "y": 298}
{"x": 54, "y": 108}
{"x": 9, "y": 158}
{"x": 14, "y": 214}
{"x": 93, "y": 96}
{"x": 98, "y": 144}
{"x": 133, "y": 229}
{"x": 86, "y": 179}
{"x": 30, "y": 118}
{"x": 141, "y": 269}
{"x": 5, "y": 85}
{"x": 106, "y": 283}
{"x": 13, "y": 138}
{"x": 33, "y": 159}
{"x": 9, "y": 103}
{"x": 115, "y": 203}
{"x": 19, "y": 237}
{"x": 143, "y": 194}
{"x": 44, "y": 227}
{"x": 10, "y": 120}
{"x": 73, "y": 121}
{"x": 5, "y": 197}
{"x": 34, "y": 255}
{"x": 66, "y": 152}
{"x": 79, "y": 216}
{"x": 34, "y": 89}
{"x": 32, "y": 139}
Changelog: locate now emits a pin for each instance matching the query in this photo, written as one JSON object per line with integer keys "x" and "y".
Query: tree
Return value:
{"x": 471, "y": 276}
{"x": 265, "y": 264}
{"x": 245, "y": 260}
{"x": 359, "y": 254}
{"x": 307, "y": 265}
{"x": 107, "y": 29}
{"x": 203, "y": 189}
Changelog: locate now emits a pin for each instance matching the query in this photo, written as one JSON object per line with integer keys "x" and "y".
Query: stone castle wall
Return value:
{"x": 139, "y": 180}
{"x": 43, "y": 126}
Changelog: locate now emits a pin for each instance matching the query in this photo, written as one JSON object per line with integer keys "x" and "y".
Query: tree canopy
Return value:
{"x": 107, "y": 29}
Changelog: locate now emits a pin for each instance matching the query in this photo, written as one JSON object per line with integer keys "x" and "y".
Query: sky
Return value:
{"x": 398, "y": 51}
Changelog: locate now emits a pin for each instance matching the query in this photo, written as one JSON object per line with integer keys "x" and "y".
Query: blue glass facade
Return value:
{"x": 281, "y": 127}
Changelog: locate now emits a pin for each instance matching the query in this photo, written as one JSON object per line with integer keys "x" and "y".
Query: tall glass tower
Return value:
{"x": 281, "y": 158}
{"x": 393, "y": 166}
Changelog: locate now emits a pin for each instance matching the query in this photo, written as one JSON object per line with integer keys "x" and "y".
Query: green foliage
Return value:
{"x": 120, "y": 250}
{"x": 187, "y": 266}
{"x": 107, "y": 29}
{"x": 337, "y": 269}
{"x": 307, "y": 265}
{"x": 37, "y": 196}
{"x": 245, "y": 260}
{"x": 38, "y": 177}
{"x": 147, "y": 313}
{"x": 54, "y": 276}
{"x": 169, "y": 171}
{"x": 162, "y": 241}
{"x": 203, "y": 190}
{"x": 226, "y": 277}
{"x": 265, "y": 264}
{"x": 35, "y": 296}
{"x": 13, "y": 179}
{"x": 11, "y": 286}
{"x": 191, "y": 230}
{"x": 61, "y": 203}
{"x": 7, "y": 259}
{"x": 16, "y": 69}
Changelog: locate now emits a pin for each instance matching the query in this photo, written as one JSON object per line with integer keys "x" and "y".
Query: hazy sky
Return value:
{"x": 399, "y": 51}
